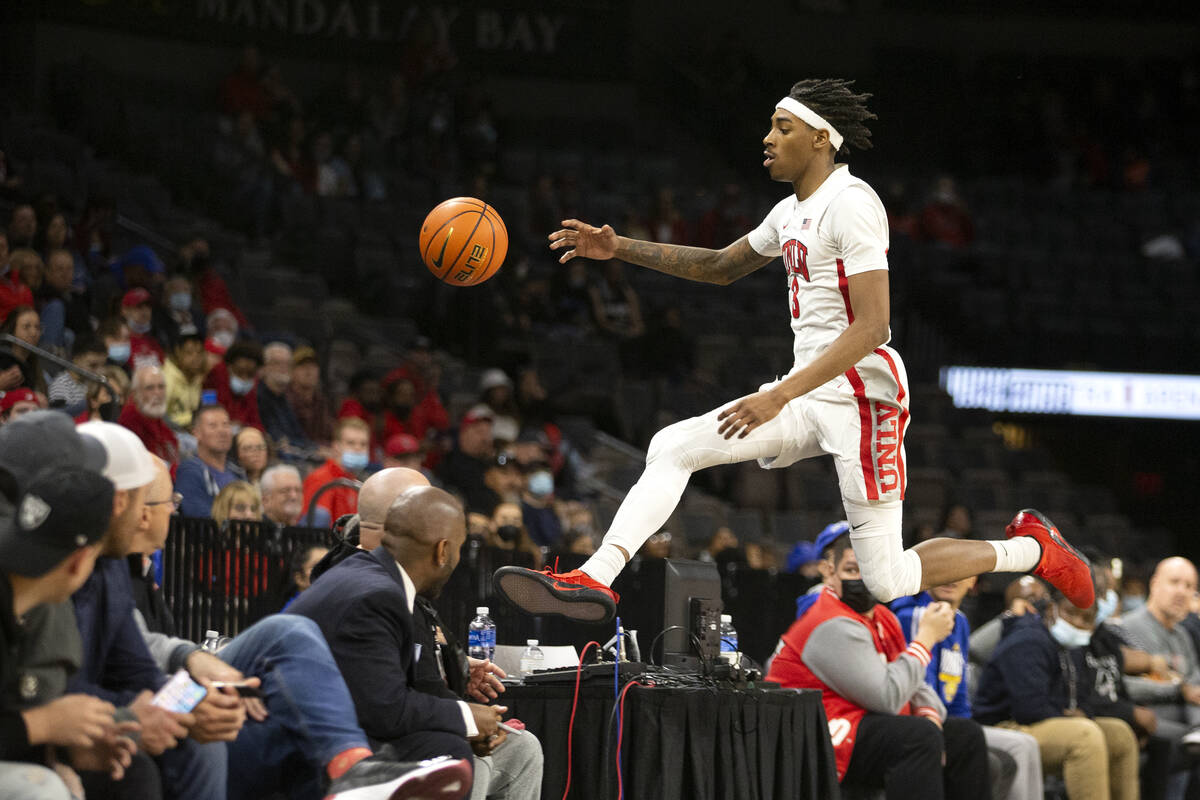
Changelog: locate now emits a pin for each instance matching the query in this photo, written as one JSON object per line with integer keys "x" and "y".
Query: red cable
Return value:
{"x": 620, "y": 731}
{"x": 574, "y": 703}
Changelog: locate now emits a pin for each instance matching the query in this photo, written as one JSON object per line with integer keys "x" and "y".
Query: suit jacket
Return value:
{"x": 361, "y": 607}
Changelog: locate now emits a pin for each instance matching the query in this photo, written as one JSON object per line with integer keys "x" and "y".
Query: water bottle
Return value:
{"x": 212, "y": 641}
{"x": 729, "y": 640}
{"x": 532, "y": 659}
{"x": 481, "y": 635}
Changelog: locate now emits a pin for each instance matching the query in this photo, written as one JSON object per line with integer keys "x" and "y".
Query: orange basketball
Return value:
{"x": 463, "y": 241}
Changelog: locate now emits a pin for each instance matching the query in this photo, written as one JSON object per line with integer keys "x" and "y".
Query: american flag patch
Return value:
{"x": 805, "y": 224}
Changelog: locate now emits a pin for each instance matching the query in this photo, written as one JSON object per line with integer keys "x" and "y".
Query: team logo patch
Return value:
{"x": 33, "y": 512}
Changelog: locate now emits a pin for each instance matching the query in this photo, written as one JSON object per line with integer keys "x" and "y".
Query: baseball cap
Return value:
{"x": 491, "y": 378}
{"x": 402, "y": 445}
{"x": 14, "y": 396}
{"x": 477, "y": 413}
{"x": 136, "y": 297}
{"x": 304, "y": 355}
{"x": 827, "y": 537}
{"x": 51, "y": 435}
{"x": 51, "y": 515}
{"x": 130, "y": 464}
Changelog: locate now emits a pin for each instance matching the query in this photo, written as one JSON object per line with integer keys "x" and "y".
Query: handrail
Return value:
{"x": 86, "y": 374}
{"x": 336, "y": 482}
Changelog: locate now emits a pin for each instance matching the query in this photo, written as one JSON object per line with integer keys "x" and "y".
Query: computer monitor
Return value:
{"x": 657, "y": 594}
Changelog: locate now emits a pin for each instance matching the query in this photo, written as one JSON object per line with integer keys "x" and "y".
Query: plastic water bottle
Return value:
{"x": 212, "y": 641}
{"x": 729, "y": 640}
{"x": 481, "y": 635}
{"x": 532, "y": 659}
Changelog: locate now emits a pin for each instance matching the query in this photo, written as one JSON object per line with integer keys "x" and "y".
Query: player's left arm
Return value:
{"x": 869, "y": 299}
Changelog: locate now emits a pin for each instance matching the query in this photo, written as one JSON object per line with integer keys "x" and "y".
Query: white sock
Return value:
{"x": 605, "y": 564}
{"x": 1018, "y": 554}
{"x": 642, "y": 513}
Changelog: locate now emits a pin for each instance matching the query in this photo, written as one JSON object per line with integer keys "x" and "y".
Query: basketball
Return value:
{"x": 463, "y": 241}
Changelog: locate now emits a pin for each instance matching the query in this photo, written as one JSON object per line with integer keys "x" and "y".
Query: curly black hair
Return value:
{"x": 835, "y": 100}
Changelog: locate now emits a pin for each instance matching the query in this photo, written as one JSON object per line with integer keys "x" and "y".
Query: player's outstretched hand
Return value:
{"x": 584, "y": 240}
{"x": 748, "y": 413}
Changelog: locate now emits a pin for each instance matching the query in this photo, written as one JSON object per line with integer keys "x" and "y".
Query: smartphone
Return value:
{"x": 180, "y": 694}
{"x": 242, "y": 688}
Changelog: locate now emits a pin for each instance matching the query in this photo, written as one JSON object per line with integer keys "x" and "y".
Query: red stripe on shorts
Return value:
{"x": 866, "y": 427}
{"x": 903, "y": 414}
{"x": 844, "y": 288}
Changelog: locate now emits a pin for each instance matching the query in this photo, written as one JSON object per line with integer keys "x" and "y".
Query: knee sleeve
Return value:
{"x": 888, "y": 570}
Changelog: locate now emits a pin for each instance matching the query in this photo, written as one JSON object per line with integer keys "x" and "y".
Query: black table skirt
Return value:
{"x": 683, "y": 743}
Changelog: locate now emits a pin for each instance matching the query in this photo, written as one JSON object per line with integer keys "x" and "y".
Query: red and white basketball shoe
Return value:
{"x": 1061, "y": 565}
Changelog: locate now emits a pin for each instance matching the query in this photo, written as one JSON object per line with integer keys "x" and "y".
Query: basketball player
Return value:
{"x": 846, "y": 395}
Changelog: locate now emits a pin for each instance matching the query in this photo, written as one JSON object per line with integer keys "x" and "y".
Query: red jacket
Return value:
{"x": 243, "y": 409}
{"x": 337, "y": 501}
{"x": 155, "y": 434}
{"x": 13, "y": 293}
{"x": 789, "y": 670}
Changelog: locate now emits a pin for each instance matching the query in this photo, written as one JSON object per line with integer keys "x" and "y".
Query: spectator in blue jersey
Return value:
{"x": 1015, "y": 757}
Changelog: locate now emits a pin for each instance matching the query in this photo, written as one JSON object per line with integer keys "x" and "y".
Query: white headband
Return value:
{"x": 803, "y": 112}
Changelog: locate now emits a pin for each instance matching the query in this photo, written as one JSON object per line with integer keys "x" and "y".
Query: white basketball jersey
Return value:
{"x": 838, "y": 231}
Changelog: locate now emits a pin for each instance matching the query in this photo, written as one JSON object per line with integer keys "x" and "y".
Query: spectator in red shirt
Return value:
{"x": 144, "y": 412}
{"x": 13, "y": 293}
{"x": 351, "y": 444}
{"x": 425, "y": 373}
{"x": 137, "y": 309}
{"x": 234, "y": 380}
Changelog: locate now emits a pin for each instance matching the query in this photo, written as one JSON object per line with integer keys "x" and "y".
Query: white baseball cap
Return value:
{"x": 130, "y": 464}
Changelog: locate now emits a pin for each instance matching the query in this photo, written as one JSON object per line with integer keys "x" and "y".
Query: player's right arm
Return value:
{"x": 693, "y": 263}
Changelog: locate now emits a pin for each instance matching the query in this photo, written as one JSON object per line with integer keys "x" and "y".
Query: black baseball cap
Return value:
{"x": 43, "y": 439}
{"x": 50, "y": 515}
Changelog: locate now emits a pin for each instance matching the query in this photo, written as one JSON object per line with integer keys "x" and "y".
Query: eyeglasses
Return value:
{"x": 175, "y": 500}
{"x": 254, "y": 448}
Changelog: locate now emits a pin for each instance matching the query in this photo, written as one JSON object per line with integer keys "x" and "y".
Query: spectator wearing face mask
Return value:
{"x": 221, "y": 330}
{"x": 144, "y": 414}
{"x": 115, "y": 335}
{"x": 104, "y": 403}
{"x": 507, "y": 532}
{"x": 234, "y": 380}
{"x": 178, "y": 314}
{"x": 537, "y": 507}
{"x": 351, "y": 444}
{"x": 1034, "y": 684}
{"x": 137, "y": 309}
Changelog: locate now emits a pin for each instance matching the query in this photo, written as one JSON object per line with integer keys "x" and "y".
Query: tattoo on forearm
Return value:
{"x": 693, "y": 263}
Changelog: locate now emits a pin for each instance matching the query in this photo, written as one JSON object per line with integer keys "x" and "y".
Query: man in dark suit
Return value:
{"x": 365, "y": 608}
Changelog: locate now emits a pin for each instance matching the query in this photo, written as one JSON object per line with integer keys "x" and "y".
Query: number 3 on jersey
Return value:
{"x": 795, "y": 258}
